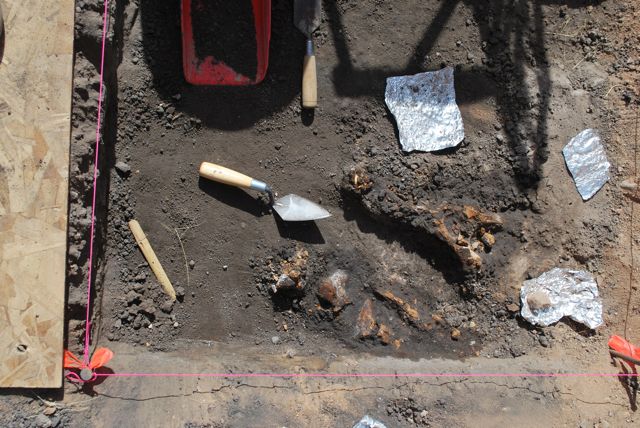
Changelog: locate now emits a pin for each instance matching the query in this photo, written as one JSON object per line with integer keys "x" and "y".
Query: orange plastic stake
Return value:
{"x": 624, "y": 348}
{"x": 99, "y": 359}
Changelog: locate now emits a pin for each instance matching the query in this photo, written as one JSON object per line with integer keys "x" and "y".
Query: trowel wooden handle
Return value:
{"x": 228, "y": 176}
{"x": 309, "y": 79}
{"x": 309, "y": 82}
{"x": 152, "y": 259}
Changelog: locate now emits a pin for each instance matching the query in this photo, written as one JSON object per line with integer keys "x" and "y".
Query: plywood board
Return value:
{"x": 35, "y": 107}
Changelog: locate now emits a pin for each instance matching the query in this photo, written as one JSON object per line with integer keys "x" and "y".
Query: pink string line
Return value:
{"x": 95, "y": 178}
{"x": 258, "y": 375}
{"x": 365, "y": 375}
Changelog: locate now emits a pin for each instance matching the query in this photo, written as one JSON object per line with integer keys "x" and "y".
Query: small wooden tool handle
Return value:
{"x": 309, "y": 82}
{"x": 152, "y": 259}
{"x": 224, "y": 175}
{"x": 228, "y": 176}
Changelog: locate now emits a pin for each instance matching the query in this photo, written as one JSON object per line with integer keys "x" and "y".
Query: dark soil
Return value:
{"x": 431, "y": 278}
{"x": 429, "y": 242}
{"x": 225, "y": 30}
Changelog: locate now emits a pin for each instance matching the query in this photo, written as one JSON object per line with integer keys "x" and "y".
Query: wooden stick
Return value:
{"x": 151, "y": 258}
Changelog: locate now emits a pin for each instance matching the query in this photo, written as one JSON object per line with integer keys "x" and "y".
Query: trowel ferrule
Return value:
{"x": 260, "y": 186}
{"x": 310, "y": 50}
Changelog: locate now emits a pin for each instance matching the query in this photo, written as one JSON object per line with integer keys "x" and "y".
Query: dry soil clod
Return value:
{"x": 292, "y": 273}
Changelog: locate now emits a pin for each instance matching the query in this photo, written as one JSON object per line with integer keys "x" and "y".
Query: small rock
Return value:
{"x": 192, "y": 264}
{"x": 275, "y": 340}
{"x": 513, "y": 308}
{"x": 123, "y": 168}
{"x": 175, "y": 324}
{"x": 283, "y": 283}
{"x": 538, "y": 301}
{"x": 290, "y": 353}
{"x": 332, "y": 290}
{"x": 49, "y": 411}
{"x": 544, "y": 341}
{"x": 147, "y": 306}
{"x": 132, "y": 297}
{"x": 628, "y": 185}
{"x": 167, "y": 307}
{"x": 455, "y": 334}
{"x": 41, "y": 421}
{"x": 55, "y": 421}
{"x": 488, "y": 240}
{"x": 225, "y": 267}
{"x": 180, "y": 291}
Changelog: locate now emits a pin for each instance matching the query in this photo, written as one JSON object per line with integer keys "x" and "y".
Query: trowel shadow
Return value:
{"x": 303, "y": 231}
{"x": 233, "y": 197}
{"x": 511, "y": 33}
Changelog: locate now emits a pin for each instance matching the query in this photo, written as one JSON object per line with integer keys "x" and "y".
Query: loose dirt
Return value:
{"x": 430, "y": 248}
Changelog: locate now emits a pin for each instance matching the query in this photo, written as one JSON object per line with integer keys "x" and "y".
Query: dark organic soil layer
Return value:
{"x": 225, "y": 30}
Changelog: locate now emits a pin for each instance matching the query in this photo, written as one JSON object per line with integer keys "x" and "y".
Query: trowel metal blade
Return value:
{"x": 306, "y": 15}
{"x": 296, "y": 208}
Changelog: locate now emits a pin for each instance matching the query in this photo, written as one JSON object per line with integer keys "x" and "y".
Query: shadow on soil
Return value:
{"x": 511, "y": 49}
{"x": 88, "y": 46}
{"x": 428, "y": 247}
{"x": 222, "y": 107}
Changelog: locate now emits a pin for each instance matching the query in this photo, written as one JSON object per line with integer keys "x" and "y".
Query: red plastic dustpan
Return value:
{"x": 214, "y": 71}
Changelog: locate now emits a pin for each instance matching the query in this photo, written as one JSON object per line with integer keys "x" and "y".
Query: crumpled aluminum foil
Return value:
{"x": 587, "y": 162}
{"x": 369, "y": 422}
{"x": 425, "y": 109}
{"x": 561, "y": 292}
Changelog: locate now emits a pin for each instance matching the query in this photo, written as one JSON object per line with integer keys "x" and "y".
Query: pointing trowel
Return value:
{"x": 290, "y": 207}
{"x": 306, "y": 17}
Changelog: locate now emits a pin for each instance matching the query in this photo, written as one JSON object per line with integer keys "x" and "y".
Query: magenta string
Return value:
{"x": 365, "y": 375}
{"x": 95, "y": 178}
{"x": 258, "y": 375}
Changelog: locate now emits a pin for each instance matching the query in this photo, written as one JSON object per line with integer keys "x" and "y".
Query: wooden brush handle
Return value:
{"x": 152, "y": 259}
{"x": 228, "y": 176}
